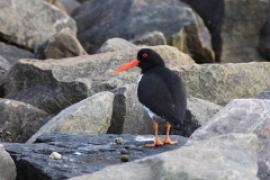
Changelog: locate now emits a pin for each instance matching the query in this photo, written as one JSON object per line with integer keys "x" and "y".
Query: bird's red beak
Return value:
{"x": 131, "y": 64}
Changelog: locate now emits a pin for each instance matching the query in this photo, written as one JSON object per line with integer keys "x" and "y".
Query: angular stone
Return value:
{"x": 89, "y": 116}
{"x": 22, "y": 22}
{"x": 7, "y": 165}
{"x": 62, "y": 44}
{"x": 132, "y": 19}
{"x": 230, "y": 157}
{"x": 116, "y": 44}
{"x": 151, "y": 39}
{"x": 21, "y": 120}
{"x": 243, "y": 116}
{"x": 241, "y": 29}
{"x": 220, "y": 83}
{"x": 80, "y": 154}
{"x": 59, "y": 84}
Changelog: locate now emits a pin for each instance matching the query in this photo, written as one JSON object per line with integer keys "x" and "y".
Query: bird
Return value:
{"x": 161, "y": 93}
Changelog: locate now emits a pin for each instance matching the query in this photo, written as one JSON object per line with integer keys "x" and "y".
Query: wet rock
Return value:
{"x": 96, "y": 24}
{"x": 229, "y": 157}
{"x": 80, "y": 154}
{"x": 62, "y": 44}
{"x": 7, "y": 165}
{"x": 242, "y": 24}
{"x": 23, "y": 24}
{"x": 59, "y": 84}
{"x": 220, "y": 83}
{"x": 89, "y": 116}
{"x": 21, "y": 120}
{"x": 243, "y": 116}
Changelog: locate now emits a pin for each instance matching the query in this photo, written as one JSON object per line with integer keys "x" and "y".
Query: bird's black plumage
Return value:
{"x": 160, "y": 89}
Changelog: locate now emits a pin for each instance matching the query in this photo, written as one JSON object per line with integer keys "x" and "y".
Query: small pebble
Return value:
{"x": 124, "y": 151}
{"x": 124, "y": 158}
{"x": 55, "y": 156}
{"x": 119, "y": 140}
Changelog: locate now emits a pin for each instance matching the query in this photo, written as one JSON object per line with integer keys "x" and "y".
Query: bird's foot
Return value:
{"x": 169, "y": 141}
{"x": 157, "y": 142}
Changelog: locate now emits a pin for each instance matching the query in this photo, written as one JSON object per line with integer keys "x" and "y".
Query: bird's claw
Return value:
{"x": 157, "y": 142}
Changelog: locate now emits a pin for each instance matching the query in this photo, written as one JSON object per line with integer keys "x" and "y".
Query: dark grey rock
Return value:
{"x": 12, "y": 53}
{"x": 100, "y": 20}
{"x": 264, "y": 41}
{"x": 80, "y": 154}
{"x": 264, "y": 95}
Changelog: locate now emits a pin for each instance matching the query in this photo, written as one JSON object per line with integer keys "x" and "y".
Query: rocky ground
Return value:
{"x": 64, "y": 115}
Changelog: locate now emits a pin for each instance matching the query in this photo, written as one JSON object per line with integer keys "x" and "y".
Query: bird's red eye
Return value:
{"x": 145, "y": 55}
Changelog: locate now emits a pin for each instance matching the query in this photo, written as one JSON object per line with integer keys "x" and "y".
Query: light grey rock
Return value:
{"x": 7, "y": 165}
{"x": 89, "y": 116}
{"x": 100, "y": 20}
{"x": 220, "y": 83}
{"x": 116, "y": 44}
{"x": 63, "y": 44}
{"x": 29, "y": 23}
{"x": 21, "y": 120}
{"x": 229, "y": 157}
{"x": 240, "y": 33}
{"x": 243, "y": 116}
{"x": 58, "y": 84}
{"x": 151, "y": 39}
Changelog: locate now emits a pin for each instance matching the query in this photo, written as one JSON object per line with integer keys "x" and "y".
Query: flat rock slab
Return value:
{"x": 80, "y": 154}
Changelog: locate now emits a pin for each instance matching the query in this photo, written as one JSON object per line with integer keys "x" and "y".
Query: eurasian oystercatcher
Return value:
{"x": 160, "y": 91}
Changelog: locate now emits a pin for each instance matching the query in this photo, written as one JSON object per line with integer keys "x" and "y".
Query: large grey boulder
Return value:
{"x": 228, "y": 157}
{"x": 100, "y": 20}
{"x": 151, "y": 39}
{"x": 243, "y": 116}
{"x": 7, "y": 165}
{"x": 58, "y": 84}
{"x": 80, "y": 154}
{"x": 89, "y": 116}
{"x": 21, "y": 120}
{"x": 62, "y": 44}
{"x": 241, "y": 29}
{"x": 220, "y": 83}
{"x": 29, "y": 23}
{"x": 12, "y": 53}
{"x": 70, "y": 5}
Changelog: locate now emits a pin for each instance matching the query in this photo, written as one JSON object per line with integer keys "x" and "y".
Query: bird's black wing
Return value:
{"x": 155, "y": 93}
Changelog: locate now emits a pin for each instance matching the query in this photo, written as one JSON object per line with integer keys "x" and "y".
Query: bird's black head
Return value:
{"x": 149, "y": 59}
{"x": 146, "y": 59}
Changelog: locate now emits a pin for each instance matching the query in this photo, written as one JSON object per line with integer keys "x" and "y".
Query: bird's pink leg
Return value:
{"x": 168, "y": 138}
{"x": 157, "y": 141}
